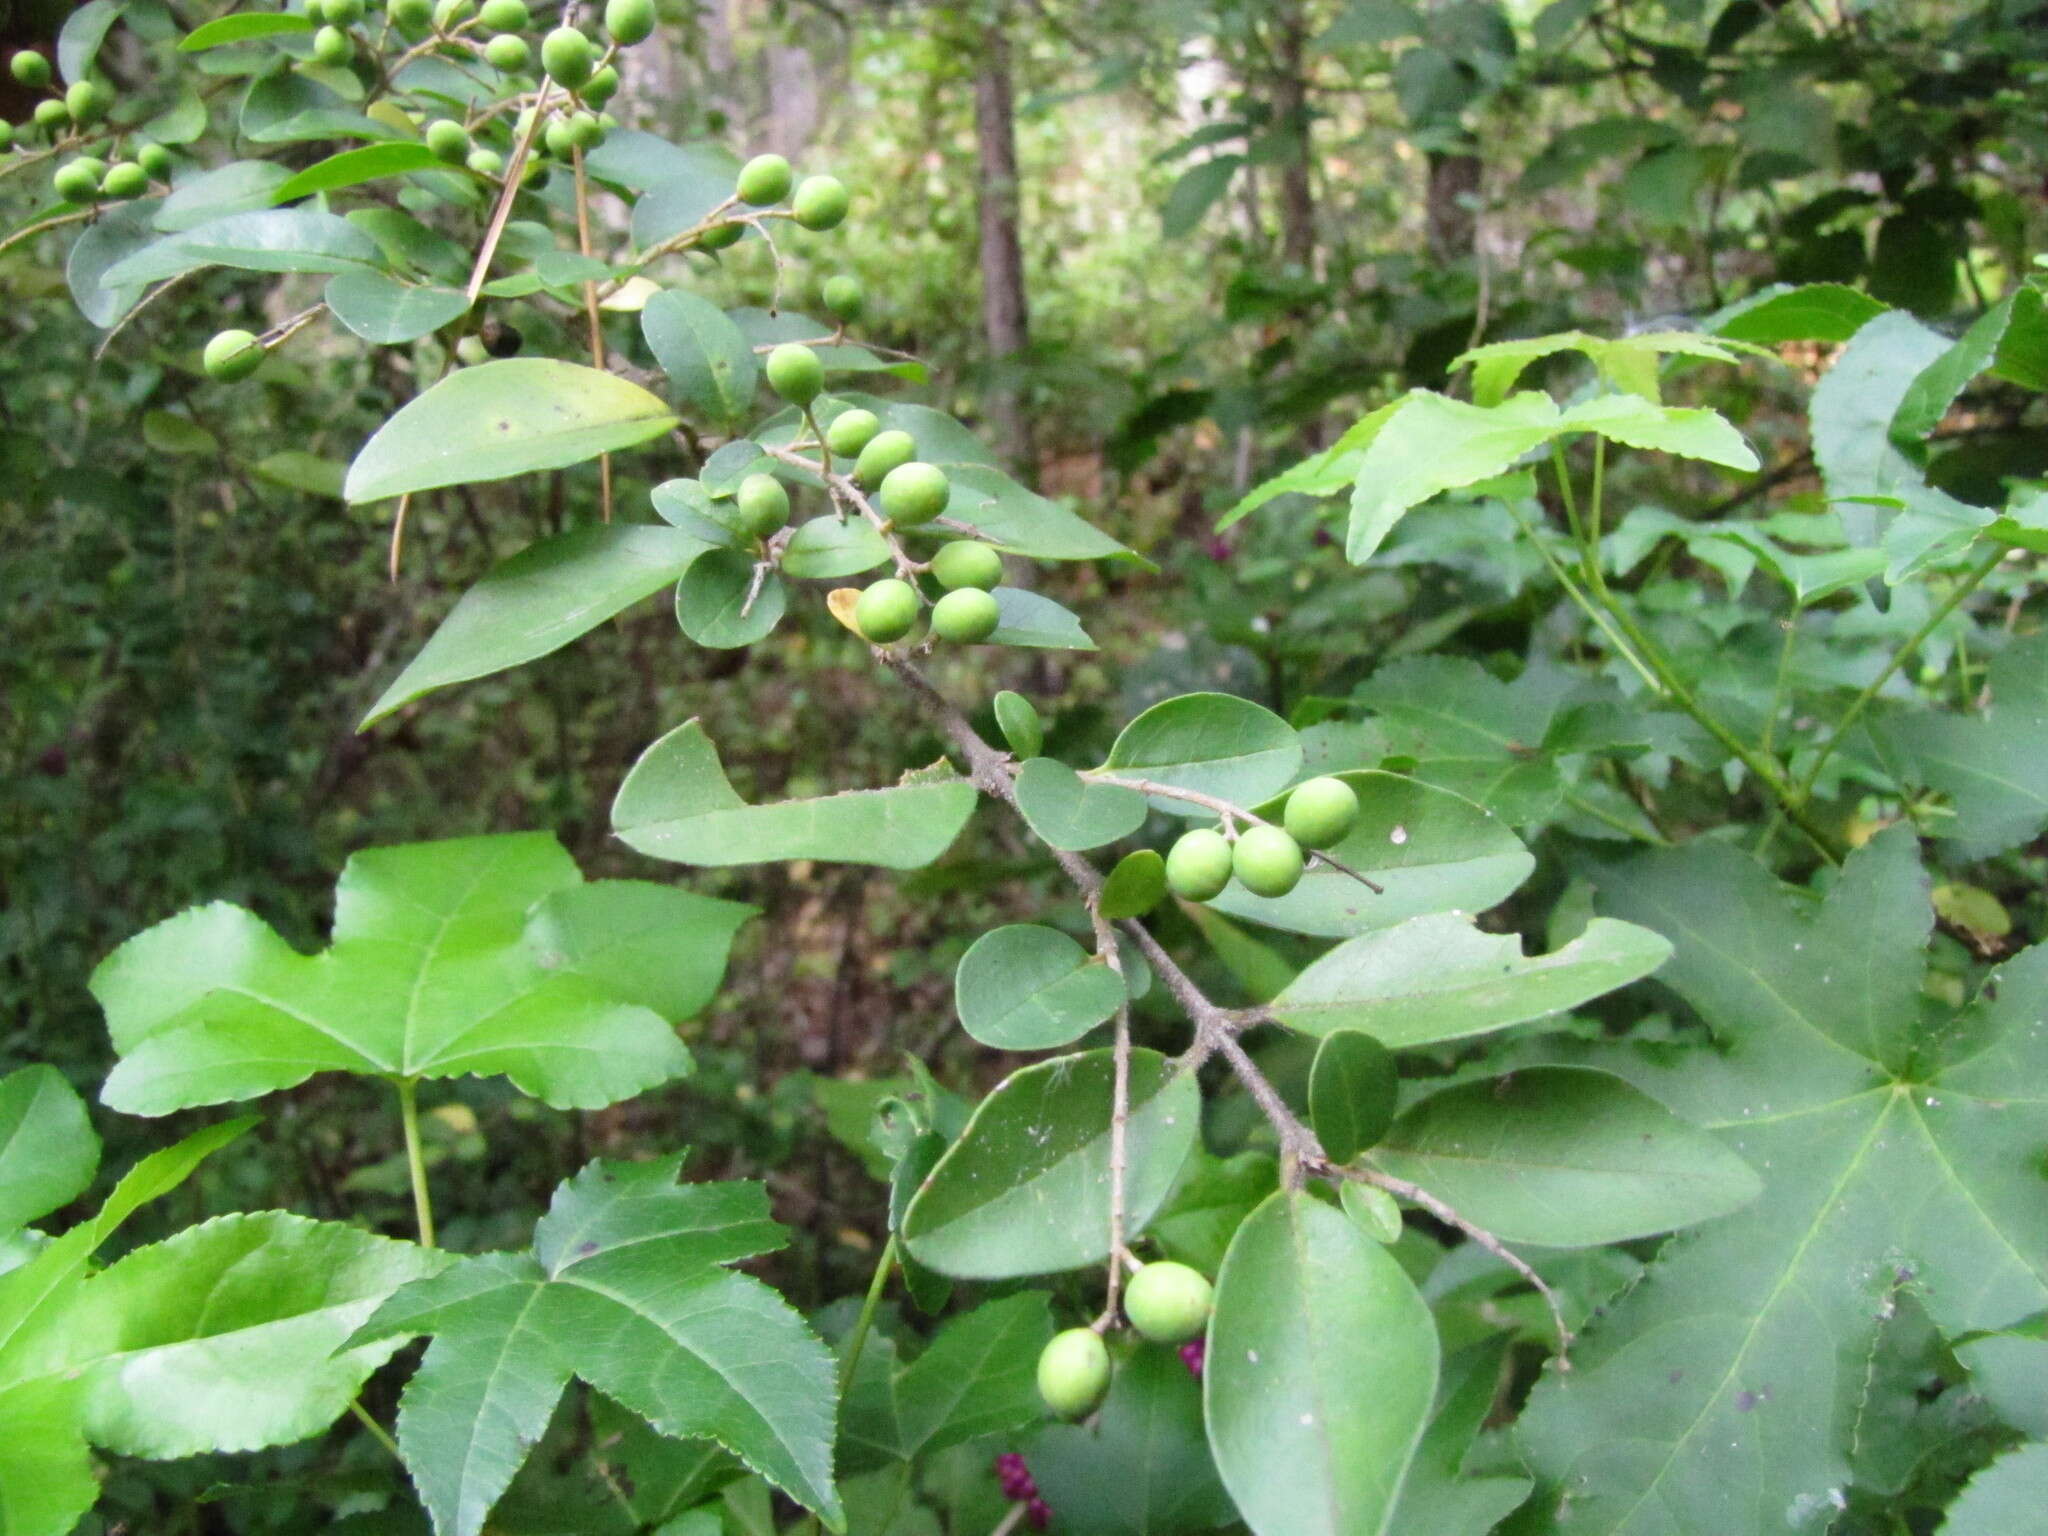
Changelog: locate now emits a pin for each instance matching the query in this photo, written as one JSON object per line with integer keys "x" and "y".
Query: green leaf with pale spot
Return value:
{"x": 1024, "y": 987}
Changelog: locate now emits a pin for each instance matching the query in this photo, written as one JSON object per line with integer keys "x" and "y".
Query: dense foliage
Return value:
{"x": 1481, "y": 980}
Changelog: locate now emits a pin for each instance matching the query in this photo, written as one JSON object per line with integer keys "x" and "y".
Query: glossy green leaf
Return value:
{"x": 450, "y": 958}
{"x": 1308, "y": 1310}
{"x": 502, "y": 419}
{"x": 1019, "y": 723}
{"x": 1882, "y": 1126}
{"x": 1134, "y": 887}
{"x": 1565, "y": 1158}
{"x": 1377, "y": 1213}
{"x": 1430, "y": 851}
{"x": 624, "y": 1290}
{"x": 2006, "y": 1496}
{"x": 1637, "y": 423}
{"x": 977, "y": 1377}
{"x": 1333, "y": 470}
{"x": 48, "y": 1149}
{"x": 1211, "y": 743}
{"x": 353, "y": 167}
{"x": 1352, "y": 1089}
{"x": 677, "y": 804}
{"x": 84, "y": 30}
{"x": 538, "y": 601}
{"x": 1627, "y": 363}
{"x": 1816, "y": 312}
{"x": 385, "y": 311}
{"x": 1030, "y": 619}
{"x": 239, "y": 186}
{"x": 270, "y": 240}
{"x": 1440, "y": 977}
{"x": 242, "y": 27}
{"x": 825, "y": 549}
{"x": 1069, "y": 812}
{"x": 1470, "y": 732}
{"x": 110, "y": 239}
{"x": 1025, "y": 1189}
{"x": 720, "y": 602}
{"x": 1028, "y": 988}
{"x": 707, "y": 360}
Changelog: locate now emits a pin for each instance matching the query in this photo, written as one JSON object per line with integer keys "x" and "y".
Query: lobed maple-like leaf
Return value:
{"x": 1899, "y": 1143}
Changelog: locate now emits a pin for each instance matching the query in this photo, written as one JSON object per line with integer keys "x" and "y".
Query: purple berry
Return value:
{"x": 1218, "y": 549}
{"x": 1192, "y": 1354}
{"x": 1037, "y": 1514}
{"x": 1324, "y": 538}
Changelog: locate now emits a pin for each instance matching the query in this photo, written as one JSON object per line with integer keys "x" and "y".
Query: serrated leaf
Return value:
{"x": 502, "y": 419}
{"x": 1636, "y": 422}
{"x": 1212, "y": 743}
{"x": 977, "y": 1377}
{"x": 1718, "y": 1385}
{"x": 1028, "y": 988}
{"x": 1470, "y": 732}
{"x": 1025, "y": 1189}
{"x": 1435, "y": 444}
{"x": 2005, "y": 1497}
{"x": 1439, "y": 977}
{"x": 1068, "y": 811}
{"x": 450, "y": 958}
{"x": 538, "y": 601}
{"x": 622, "y": 1290}
{"x": 1308, "y": 1308}
{"x": 1323, "y": 474}
{"x": 1565, "y": 1158}
{"x": 1815, "y": 312}
{"x": 677, "y": 804}
{"x": 48, "y": 1149}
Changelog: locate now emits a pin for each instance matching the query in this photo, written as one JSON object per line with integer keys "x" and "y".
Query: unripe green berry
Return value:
{"x": 1266, "y": 861}
{"x": 448, "y": 140}
{"x": 719, "y": 236}
{"x": 585, "y": 131}
{"x": 851, "y": 431}
{"x": 508, "y": 54}
{"x": 78, "y": 182}
{"x": 820, "y": 202}
{"x": 52, "y": 117}
{"x": 1198, "y": 865}
{"x": 1168, "y": 1303}
{"x": 763, "y": 180}
{"x": 568, "y": 57}
{"x": 560, "y": 138}
{"x": 30, "y": 69}
{"x": 601, "y": 88}
{"x": 410, "y": 16}
{"x": 505, "y": 16}
{"x": 471, "y": 351}
{"x": 333, "y": 47}
{"x": 843, "y": 297}
{"x": 605, "y": 119}
{"x": 1073, "y": 1372}
{"x": 886, "y": 610}
{"x": 127, "y": 179}
{"x": 486, "y": 162}
{"x": 795, "y": 373}
{"x": 887, "y": 452}
{"x": 1320, "y": 812}
{"x": 450, "y": 13}
{"x": 155, "y": 161}
{"x": 966, "y": 617}
{"x": 763, "y": 505}
{"x": 231, "y": 355}
{"x": 85, "y": 102}
{"x": 629, "y": 21}
{"x": 913, "y": 494}
{"x": 964, "y": 563}
{"x": 343, "y": 13}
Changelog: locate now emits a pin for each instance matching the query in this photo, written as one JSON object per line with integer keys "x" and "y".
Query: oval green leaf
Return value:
{"x": 1069, "y": 812}
{"x": 703, "y": 353}
{"x": 242, "y": 28}
{"x": 385, "y": 311}
{"x": 1135, "y": 886}
{"x": 1029, "y": 988}
{"x": 718, "y": 604}
{"x": 1352, "y": 1091}
{"x": 1212, "y": 743}
{"x": 353, "y": 167}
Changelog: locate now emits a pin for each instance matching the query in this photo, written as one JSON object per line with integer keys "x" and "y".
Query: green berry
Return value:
{"x": 1266, "y": 861}
{"x": 887, "y": 451}
{"x": 913, "y": 494}
{"x": 1168, "y": 1303}
{"x": 486, "y": 162}
{"x": 966, "y": 617}
{"x": 30, "y": 69}
{"x": 1320, "y": 812}
{"x": 795, "y": 373}
{"x": 343, "y": 13}
{"x": 1073, "y": 1372}
{"x": 964, "y": 563}
{"x": 155, "y": 161}
{"x": 629, "y": 21}
{"x": 560, "y": 138}
{"x": 1198, "y": 865}
{"x": 410, "y": 16}
{"x": 820, "y": 203}
{"x": 231, "y": 355}
{"x": 52, "y": 117}
{"x": 471, "y": 351}
{"x": 450, "y": 13}
{"x": 585, "y": 131}
{"x": 332, "y": 47}
{"x": 851, "y": 431}
{"x": 719, "y": 236}
{"x": 763, "y": 180}
{"x": 124, "y": 180}
{"x": 505, "y": 16}
{"x": 843, "y": 297}
{"x": 763, "y": 506}
{"x": 78, "y": 182}
{"x": 886, "y": 610}
{"x": 508, "y": 54}
{"x": 85, "y": 102}
{"x": 601, "y": 88}
{"x": 448, "y": 140}
{"x": 568, "y": 57}
{"x": 6, "y": 134}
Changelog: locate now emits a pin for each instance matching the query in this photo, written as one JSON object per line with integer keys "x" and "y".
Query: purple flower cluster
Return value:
{"x": 1018, "y": 1486}
{"x": 1192, "y": 1354}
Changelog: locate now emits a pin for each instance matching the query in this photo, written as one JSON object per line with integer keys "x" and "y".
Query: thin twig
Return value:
{"x": 515, "y": 173}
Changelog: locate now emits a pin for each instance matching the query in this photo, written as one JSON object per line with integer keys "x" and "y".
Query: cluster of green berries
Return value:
{"x": 86, "y": 178}
{"x": 819, "y": 202}
{"x": 1267, "y": 860}
{"x": 1167, "y": 1303}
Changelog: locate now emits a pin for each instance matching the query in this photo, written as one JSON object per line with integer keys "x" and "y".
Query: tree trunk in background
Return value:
{"x": 1453, "y": 192}
{"x": 1005, "y": 313}
{"x": 1290, "y": 106}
